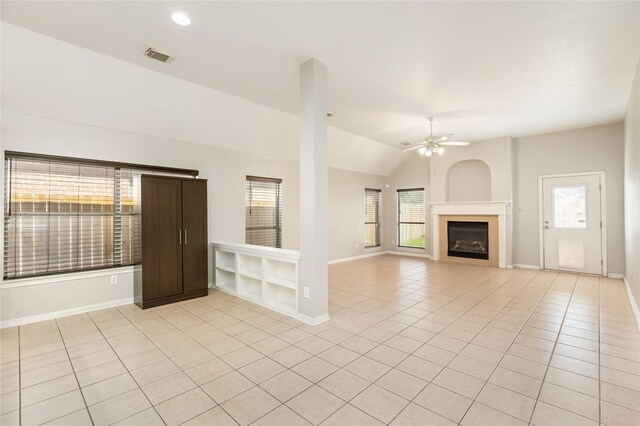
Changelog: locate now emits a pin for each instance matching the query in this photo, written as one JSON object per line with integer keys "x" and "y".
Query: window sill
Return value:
{"x": 71, "y": 276}
{"x": 400, "y": 248}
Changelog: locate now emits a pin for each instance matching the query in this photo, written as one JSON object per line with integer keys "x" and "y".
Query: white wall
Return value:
{"x": 225, "y": 170}
{"x": 469, "y": 180}
{"x": 346, "y": 202}
{"x": 632, "y": 189}
{"x": 47, "y": 77}
{"x": 582, "y": 150}
{"x": 495, "y": 153}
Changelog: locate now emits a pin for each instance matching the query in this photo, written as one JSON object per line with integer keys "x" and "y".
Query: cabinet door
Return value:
{"x": 161, "y": 237}
{"x": 194, "y": 223}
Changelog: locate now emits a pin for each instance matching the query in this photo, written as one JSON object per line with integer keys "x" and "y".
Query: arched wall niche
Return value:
{"x": 468, "y": 180}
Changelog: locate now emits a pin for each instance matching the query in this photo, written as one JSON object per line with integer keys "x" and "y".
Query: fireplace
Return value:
{"x": 468, "y": 239}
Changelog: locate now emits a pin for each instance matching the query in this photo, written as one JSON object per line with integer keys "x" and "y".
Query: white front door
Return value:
{"x": 572, "y": 223}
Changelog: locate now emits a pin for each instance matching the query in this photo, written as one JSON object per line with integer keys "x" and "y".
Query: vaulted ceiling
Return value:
{"x": 484, "y": 69}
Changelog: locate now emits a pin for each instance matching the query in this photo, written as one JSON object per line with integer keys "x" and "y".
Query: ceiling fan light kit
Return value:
{"x": 432, "y": 145}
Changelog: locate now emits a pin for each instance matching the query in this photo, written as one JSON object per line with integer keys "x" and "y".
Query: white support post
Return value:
{"x": 314, "y": 228}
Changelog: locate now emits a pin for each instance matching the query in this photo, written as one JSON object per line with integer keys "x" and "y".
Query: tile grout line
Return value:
{"x": 353, "y": 315}
{"x": 509, "y": 347}
{"x": 468, "y": 343}
{"x": 555, "y": 344}
{"x": 129, "y": 372}
{"x": 74, "y": 374}
{"x": 182, "y": 371}
{"x": 599, "y": 352}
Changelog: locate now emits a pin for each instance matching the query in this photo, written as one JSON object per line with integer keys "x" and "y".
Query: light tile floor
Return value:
{"x": 410, "y": 342}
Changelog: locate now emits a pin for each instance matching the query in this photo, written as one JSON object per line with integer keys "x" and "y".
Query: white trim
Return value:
{"x": 361, "y": 256}
{"x": 313, "y": 321}
{"x": 211, "y": 285}
{"x": 615, "y": 276}
{"x": 65, "y": 313}
{"x": 408, "y": 253}
{"x": 72, "y": 276}
{"x": 632, "y": 301}
{"x": 510, "y": 266}
{"x": 276, "y": 253}
{"x": 522, "y": 266}
{"x": 470, "y": 208}
{"x": 603, "y": 214}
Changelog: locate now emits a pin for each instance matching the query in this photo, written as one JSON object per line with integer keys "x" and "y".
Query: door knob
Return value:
{"x": 546, "y": 227}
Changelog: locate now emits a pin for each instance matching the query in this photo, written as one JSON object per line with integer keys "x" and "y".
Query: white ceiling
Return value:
{"x": 484, "y": 69}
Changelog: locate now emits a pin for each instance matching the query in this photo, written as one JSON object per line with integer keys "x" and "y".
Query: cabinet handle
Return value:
{"x": 185, "y": 237}
{"x": 180, "y": 235}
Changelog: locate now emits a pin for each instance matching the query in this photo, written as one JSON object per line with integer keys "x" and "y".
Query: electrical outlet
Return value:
{"x": 393, "y": 241}
{"x": 306, "y": 292}
{"x": 113, "y": 279}
{"x": 356, "y": 245}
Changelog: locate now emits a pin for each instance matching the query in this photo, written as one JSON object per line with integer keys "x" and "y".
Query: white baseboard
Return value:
{"x": 632, "y": 301}
{"x": 65, "y": 313}
{"x": 408, "y": 253}
{"x": 616, "y": 276}
{"x": 521, "y": 266}
{"x": 313, "y": 321}
{"x": 361, "y": 256}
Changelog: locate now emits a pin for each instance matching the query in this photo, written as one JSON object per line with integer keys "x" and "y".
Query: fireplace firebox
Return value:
{"x": 468, "y": 239}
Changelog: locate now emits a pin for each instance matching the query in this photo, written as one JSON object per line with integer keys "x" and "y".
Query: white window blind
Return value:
{"x": 372, "y": 214}
{"x": 411, "y": 217}
{"x": 263, "y": 206}
{"x": 67, "y": 216}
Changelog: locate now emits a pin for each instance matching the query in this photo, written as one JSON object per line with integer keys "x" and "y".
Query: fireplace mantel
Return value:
{"x": 471, "y": 208}
{"x": 483, "y": 208}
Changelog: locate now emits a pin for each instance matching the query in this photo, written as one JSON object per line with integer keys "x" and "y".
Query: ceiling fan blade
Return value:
{"x": 441, "y": 139}
{"x": 412, "y": 148}
{"x": 454, "y": 143}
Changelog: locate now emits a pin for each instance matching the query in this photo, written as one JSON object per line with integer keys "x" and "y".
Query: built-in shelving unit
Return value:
{"x": 263, "y": 275}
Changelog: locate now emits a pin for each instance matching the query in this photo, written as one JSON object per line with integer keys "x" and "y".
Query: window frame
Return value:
{"x": 278, "y": 226}
{"x": 399, "y": 223}
{"x": 117, "y": 213}
{"x": 378, "y": 214}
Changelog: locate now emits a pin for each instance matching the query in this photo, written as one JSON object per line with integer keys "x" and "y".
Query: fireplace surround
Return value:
{"x": 495, "y": 213}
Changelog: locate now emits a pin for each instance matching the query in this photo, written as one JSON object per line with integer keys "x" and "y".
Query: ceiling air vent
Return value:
{"x": 158, "y": 56}
{"x": 405, "y": 143}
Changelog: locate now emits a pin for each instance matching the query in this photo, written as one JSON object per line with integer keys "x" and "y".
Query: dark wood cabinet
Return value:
{"x": 173, "y": 241}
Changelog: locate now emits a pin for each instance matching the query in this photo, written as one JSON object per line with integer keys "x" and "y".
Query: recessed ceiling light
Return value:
{"x": 181, "y": 19}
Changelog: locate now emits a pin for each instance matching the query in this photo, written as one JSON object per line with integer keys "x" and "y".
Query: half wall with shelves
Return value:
{"x": 263, "y": 275}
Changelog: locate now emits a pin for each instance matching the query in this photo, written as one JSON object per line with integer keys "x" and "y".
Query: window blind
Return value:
{"x": 411, "y": 217}
{"x": 372, "y": 214}
{"x": 65, "y": 216}
{"x": 263, "y": 206}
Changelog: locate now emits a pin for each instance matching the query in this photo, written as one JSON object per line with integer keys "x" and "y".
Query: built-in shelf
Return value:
{"x": 281, "y": 282}
{"x": 263, "y": 275}
{"x": 226, "y": 268}
{"x": 225, "y": 279}
{"x": 250, "y": 275}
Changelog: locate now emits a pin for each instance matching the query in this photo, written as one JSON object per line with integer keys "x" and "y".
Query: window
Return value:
{"x": 411, "y": 215}
{"x": 64, "y": 216}
{"x": 263, "y": 206}
{"x": 570, "y": 207}
{"x": 372, "y": 218}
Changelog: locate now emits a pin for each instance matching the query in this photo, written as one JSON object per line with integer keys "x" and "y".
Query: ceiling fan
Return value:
{"x": 434, "y": 144}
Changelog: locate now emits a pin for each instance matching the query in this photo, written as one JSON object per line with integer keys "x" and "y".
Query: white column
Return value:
{"x": 314, "y": 228}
